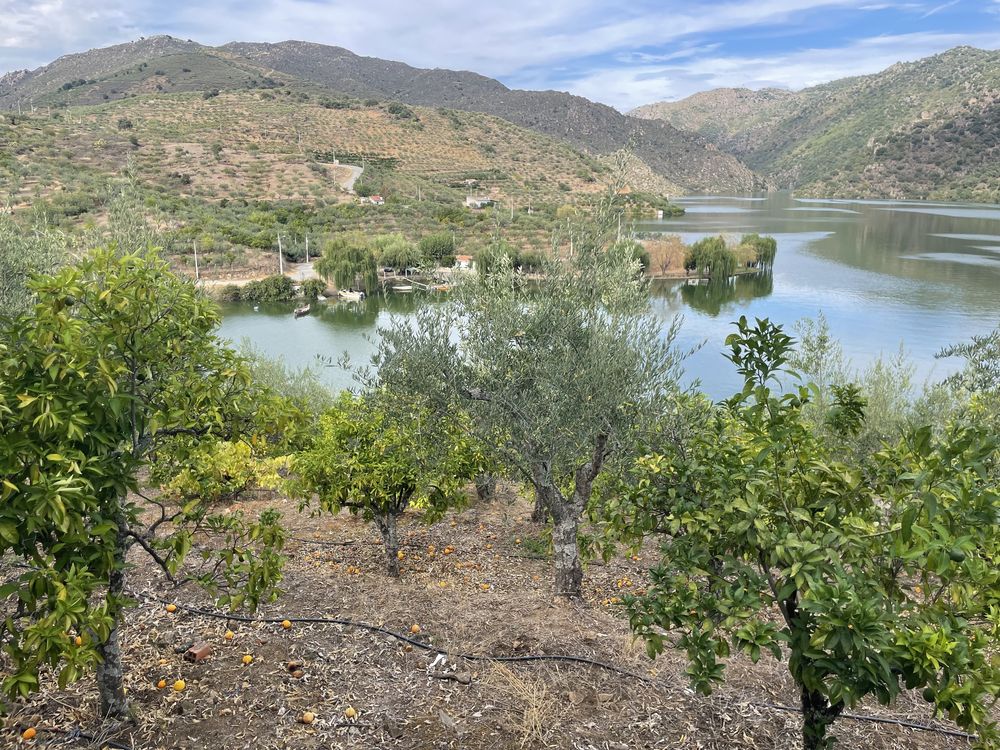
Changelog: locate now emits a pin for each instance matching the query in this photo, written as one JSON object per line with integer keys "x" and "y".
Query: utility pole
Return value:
{"x": 281, "y": 259}
{"x": 197, "y": 272}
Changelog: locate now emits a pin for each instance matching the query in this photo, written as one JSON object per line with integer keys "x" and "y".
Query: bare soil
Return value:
{"x": 486, "y": 589}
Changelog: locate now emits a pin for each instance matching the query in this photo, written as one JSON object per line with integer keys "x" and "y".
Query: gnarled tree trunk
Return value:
{"x": 566, "y": 514}
{"x": 540, "y": 514}
{"x": 565, "y": 549}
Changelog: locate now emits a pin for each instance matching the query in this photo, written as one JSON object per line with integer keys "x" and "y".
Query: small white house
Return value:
{"x": 478, "y": 201}
{"x": 465, "y": 262}
{"x": 377, "y": 200}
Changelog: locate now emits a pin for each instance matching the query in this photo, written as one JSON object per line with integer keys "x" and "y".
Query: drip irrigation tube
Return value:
{"x": 878, "y": 720}
{"x": 405, "y": 638}
{"x": 526, "y": 658}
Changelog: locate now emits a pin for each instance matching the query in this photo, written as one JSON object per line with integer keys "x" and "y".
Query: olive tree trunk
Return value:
{"x": 110, "y": 674}
{"x": 540, "y": 514}
{"x": 386, "y": 523}
{"x": 566, "y": 549}
{"x": 566, "y": 515}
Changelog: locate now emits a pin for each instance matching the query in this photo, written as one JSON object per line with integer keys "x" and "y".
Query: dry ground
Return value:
{"x": 491, "y": 595}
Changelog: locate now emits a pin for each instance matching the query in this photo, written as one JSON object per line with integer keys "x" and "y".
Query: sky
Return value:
{"x": 620, "y": 53}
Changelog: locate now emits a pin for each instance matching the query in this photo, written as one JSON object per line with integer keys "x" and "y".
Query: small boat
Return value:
{"x": 300, "y": 311}
{"x": 352, "y": 296}
{"x": 402, "y": 288}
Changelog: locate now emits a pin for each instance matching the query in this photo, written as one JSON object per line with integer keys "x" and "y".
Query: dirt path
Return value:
{"x": 348, "y": 184}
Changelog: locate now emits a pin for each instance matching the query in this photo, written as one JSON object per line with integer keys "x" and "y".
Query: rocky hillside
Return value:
{"x": 166, "y": 65}
{"x": 926, "y": 129}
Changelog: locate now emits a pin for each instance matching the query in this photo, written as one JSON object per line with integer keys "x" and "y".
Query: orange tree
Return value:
{"x": 377, "y": 456}
{"x": 118, "y": 363}
{"x": 870, "y": 579}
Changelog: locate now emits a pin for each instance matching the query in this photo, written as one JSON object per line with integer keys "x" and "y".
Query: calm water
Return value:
{"x": 884, "y": 273}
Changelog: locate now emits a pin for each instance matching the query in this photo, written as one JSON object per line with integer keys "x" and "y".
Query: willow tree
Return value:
{"x": 556, "y": 374}
{"x": 117, "y": 363}
{"x": 349, "y": 263}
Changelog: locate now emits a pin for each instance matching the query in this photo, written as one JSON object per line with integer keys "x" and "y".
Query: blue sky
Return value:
{"x": 623, "y": 54}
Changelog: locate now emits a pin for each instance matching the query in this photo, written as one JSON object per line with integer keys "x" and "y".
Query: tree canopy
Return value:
{"x": 870, "y": 579}
{"x": 119, "y": 361}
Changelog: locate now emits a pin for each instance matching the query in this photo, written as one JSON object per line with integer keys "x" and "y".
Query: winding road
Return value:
{"x": 348, "y": 184}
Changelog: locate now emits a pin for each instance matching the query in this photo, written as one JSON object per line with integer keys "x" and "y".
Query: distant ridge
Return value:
{"x": 923, "y": 129}
{"x": 689, "y": 161}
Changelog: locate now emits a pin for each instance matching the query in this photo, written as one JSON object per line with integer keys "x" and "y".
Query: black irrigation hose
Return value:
{"x": 406, "y": 639}
{"x": 529, "y": 658}
{"x": 73, "y": 735}
{"x": 878, "y": 720}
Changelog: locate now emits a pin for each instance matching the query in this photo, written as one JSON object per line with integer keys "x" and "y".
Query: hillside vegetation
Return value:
{"x": 166, "y": 65}
{"x": 234, "y": 170}
{"x": 926, "y": 129}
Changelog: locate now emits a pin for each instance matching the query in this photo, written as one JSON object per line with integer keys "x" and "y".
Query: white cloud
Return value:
{"x": 627, "y": 87}
{"x": 629, "y": 54}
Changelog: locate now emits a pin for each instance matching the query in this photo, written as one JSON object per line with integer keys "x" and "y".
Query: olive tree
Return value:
{"x": 556, "y": 374}
{"x": 25, "y": 251}
{"x": 869, "y": 579}
{"x": 118, "y": 363}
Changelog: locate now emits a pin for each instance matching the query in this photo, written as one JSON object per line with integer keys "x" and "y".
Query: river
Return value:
{"x": 884, "y": 273}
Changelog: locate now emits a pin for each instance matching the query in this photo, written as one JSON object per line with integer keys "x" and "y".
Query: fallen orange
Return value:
{"x": 414, "y": 628}
{"x": 161, "y": 684}
{"x": 171, "y": 608}
{"x": 247, "y": 659}
{"x": 179, "y": 685}
{"x": 350, "y": 713}
{"x": 29, "y": 733}
{"x": 308, "y": 717}
{"x": 229, "y": 635}
{"x": 286, "y": 624}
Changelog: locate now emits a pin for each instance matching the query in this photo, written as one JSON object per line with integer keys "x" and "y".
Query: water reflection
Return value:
{"x": 716, "y": 297}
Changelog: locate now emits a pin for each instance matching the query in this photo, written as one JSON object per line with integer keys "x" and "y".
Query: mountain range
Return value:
{"x": 163, "y": 64}
{"x": 924, "y": 129}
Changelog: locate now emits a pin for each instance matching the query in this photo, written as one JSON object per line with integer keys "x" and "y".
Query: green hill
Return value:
{"x": 926, "y": 129}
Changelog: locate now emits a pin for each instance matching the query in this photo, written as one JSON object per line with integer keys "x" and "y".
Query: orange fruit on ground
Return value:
{"x": 247, "y": 659}
{"x": 400, "y": 555}
{"x": 179, "y": 685}
{"x": 229, "y": 635}
{"x": 78, "y": 641}
{"x": 484, "y": 586}
{"x": 29, "y": 733}
{"x": 286, "y": 624}
{"x": 171, "y": 608}
{"x": 414, "y": 628}
{"x": 308, "y": 717}
{"x": 350, "y": 713}
{"x": 163, "y": 662}
{"x": 161, "y": 684}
